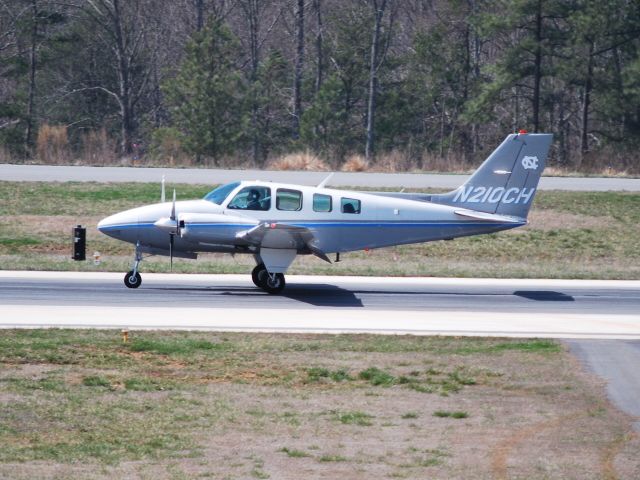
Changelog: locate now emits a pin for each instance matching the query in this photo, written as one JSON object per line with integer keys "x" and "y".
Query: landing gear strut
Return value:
{"x": 133, "y": 279}
{"x": 269, "y": 282}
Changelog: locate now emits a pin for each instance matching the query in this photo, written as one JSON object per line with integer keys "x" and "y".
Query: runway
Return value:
{"x": 422, "y": 306}
{"x": 61, "y": 173}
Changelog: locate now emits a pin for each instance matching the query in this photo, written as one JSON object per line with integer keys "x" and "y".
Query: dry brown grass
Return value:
{"x": 52, "y": 144}
{"x": 98, "y": 148}
{"x": 5, "y": 156}
{"x": 446, "y": 163}
{"x": 305, "y": 161}
{"x": 355, "y": 163}
{"x": 610, "y": 161}
{"x": 394, "y": 161}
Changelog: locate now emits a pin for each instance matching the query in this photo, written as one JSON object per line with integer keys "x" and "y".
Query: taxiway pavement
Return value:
{"x": 55, "y": 173}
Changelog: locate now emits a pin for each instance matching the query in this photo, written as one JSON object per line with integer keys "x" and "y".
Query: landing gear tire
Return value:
{"x": 270, "y": 282}
{"x": 255, "y": 274}
{"x": 273, "y": 282}
{"x": 132, "y": 279}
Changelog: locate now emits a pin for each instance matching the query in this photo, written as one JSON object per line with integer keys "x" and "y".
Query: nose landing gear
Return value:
{"x": 269, "y": 282}
{"x": 133, "y": 279}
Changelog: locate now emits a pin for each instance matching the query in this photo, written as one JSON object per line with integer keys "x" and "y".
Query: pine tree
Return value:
{"x": 206, "y": 97}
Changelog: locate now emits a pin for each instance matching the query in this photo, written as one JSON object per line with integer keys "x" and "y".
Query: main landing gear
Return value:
{"x": 133, "y": 279}
{"x": 269, "y": 282}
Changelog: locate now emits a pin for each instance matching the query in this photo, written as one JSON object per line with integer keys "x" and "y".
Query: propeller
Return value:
{"x": 173, "y": 218}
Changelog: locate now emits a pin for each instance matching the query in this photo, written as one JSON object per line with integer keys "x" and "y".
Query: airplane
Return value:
{"x": 276, "y": 222}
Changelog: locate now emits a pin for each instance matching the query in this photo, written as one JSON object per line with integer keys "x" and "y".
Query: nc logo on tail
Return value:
{"x": 530, "y": 163}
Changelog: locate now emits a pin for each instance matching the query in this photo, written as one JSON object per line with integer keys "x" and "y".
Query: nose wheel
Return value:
{"x": 132, "y": 279}
{"x": 269, "y": 282}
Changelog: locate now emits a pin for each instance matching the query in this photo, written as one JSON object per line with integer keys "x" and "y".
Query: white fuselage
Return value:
{"x": 380, "y": 222}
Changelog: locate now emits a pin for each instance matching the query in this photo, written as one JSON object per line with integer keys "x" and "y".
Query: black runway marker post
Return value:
{"x": 79, "y": 243}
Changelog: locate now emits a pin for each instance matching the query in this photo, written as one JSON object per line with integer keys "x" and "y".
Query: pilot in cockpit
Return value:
{"x": 253, "y": 200}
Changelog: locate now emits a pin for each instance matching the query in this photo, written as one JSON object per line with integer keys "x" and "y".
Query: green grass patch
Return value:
{"x": 377, "y": 377}
{"x": 317, "y": 374}
{"x": 145, "y": 385}
{"x": 86, "y": 198}
{"x": 332, "y": 458}
{"x": 294, "y": 453}
{"x": 447, "y": 414}
{"x": 180, "y": 346}
{"x": 410, "y": 415}
{"x": 47, "y": 384}
{"x": 96, "y": 381}
{"x": 360, "y": 419}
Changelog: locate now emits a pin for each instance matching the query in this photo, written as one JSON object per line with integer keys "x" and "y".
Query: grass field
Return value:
{"x": 83, "y": 404}
{"x": 571, "y": 235}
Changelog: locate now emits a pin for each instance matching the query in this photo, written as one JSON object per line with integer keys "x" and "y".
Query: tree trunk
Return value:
{"x": 199, "y": 15}
{"x": 588, "y": 84}
{"x": 318, "y": 83}
{"x": 32, "y": 76}
{"x": 297, "y": 80}
{"x": 373, "y": 78}
{"x": 251, "y": 10}
{"x": 124, "y": 82}
{"x": 537, "y": 68}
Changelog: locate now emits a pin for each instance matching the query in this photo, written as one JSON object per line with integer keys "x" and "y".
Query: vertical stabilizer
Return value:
{"x": 507, "y": 180}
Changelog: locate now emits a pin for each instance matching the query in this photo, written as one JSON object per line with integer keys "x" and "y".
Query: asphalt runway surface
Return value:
{"x": 546, "y": 308}
{"x": 52, "y": 173}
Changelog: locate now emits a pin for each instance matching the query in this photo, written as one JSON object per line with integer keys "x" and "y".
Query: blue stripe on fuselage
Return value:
{"x": 331, "y": 224}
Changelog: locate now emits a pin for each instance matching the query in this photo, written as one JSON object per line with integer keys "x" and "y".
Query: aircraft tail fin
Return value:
{"x": 507, "y": 180}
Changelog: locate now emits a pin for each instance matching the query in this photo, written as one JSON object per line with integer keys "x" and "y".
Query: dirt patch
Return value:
{"x": 547, "y": 220}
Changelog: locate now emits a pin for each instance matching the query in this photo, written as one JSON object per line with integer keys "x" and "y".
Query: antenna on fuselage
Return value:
{"x": 162, "y": 196}
{"x": 325, "y": 181}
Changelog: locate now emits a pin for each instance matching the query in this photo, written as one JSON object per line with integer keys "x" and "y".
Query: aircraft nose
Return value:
{"x": 103, "y": 224}
{"x": 114, "y": 225}
{"x": 108, "y": 226}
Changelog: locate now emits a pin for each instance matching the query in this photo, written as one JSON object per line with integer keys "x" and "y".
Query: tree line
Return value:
{"x": 235, "y": 80}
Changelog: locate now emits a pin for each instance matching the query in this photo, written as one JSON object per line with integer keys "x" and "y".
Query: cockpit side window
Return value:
{"x": 221, "y": 193}
{"x": 252, "y": 198}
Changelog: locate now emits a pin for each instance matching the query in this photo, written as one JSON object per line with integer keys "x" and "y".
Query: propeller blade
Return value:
{"x": 173, "y": 207}
{"x": 172, "y": 235}
{"x": 171, "y": 252}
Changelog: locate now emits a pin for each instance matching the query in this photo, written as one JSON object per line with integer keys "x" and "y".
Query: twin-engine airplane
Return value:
{"x": 276, "y": 222}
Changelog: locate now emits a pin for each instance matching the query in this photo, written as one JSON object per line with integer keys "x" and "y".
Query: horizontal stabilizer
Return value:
{"x": 489, "y": 217}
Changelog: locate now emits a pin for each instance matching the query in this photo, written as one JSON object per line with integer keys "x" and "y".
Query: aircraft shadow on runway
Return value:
{"x": 544, "y": 296}
{"x": 325, "y": 295}
{"x": 320, "y": 295}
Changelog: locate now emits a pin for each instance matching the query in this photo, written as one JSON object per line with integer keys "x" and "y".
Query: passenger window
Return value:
{"x": 289, "y": 200}
{"x": 321, "y": 203}
{"x": 350, "y": 205}
{"x": 252, "y": 198}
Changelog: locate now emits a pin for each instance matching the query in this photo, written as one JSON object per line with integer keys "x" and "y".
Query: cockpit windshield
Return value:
{"x": 219, "y": 194}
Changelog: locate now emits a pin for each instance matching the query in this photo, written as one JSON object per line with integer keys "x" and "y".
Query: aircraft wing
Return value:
{"x": 281, "y": 236}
